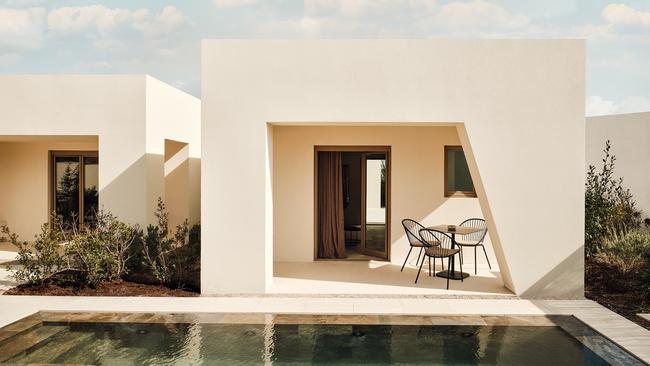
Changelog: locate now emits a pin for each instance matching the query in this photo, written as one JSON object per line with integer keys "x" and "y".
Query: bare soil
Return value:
{"x": 622, "y": 295}
{"x": 113, "y": 288}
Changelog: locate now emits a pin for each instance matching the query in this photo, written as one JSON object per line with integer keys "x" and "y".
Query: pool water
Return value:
{"x": 304, "y": 344}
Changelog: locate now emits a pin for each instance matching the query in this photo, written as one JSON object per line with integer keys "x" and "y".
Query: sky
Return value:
{"x": 162, "y": 38}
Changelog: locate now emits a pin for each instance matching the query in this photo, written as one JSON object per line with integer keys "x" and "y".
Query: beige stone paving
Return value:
{"x": 378, "y": 278}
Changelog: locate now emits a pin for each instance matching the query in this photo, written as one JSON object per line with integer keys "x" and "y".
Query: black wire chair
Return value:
{"x": 474, "y": 239}
{"x": 443, "y": 249}
{"x": 412, "y": 229}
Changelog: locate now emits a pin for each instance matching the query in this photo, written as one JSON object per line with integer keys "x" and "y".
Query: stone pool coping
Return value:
{"x": 11, "y": 343}
{"x": 623, "y": 332}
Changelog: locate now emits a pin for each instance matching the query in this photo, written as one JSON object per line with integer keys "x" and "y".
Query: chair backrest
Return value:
{"x": 435, "y": 237}
{"x": 475, "y": 223}
{"x": 412, "y": 229}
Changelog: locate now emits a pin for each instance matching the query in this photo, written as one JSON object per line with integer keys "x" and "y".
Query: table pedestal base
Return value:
{"x": 454, "y": 275}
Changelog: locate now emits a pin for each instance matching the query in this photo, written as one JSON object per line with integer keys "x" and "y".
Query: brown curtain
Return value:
{"x": 331, "y": 235}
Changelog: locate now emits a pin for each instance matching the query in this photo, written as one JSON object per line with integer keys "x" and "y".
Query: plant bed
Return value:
{"x": 107, "y": 257}
{"x": 110, "y": 288}
{"x": 624, "y": 296}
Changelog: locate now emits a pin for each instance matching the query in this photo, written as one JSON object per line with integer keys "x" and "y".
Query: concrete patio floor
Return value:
{"x": 380, "y": 278}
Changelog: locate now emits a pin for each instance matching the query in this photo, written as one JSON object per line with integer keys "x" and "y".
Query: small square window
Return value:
{"x": 458, "y": 181}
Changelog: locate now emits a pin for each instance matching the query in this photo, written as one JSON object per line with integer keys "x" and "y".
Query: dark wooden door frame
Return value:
{"x": 359, "y": 149}
{"x": 51, "y": 178}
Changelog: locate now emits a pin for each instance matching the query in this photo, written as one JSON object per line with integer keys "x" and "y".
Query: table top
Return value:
{"x": 462, "y": 230}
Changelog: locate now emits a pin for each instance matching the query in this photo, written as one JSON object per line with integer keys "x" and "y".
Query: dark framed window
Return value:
{"x": 458, "y": 181}
{"x": 74, "y": 179}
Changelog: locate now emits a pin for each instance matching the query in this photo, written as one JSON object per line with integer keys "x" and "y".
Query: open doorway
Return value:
{"x": 352, "y": 203}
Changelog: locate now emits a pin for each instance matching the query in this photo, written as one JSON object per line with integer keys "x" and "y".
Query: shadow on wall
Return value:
{"x": 132, "y": 196}
{"x": 126, "y": 196}
{"x": 562, "y": 281}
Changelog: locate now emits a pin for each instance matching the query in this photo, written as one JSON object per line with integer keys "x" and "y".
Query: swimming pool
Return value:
{"x": 252, "y": 339}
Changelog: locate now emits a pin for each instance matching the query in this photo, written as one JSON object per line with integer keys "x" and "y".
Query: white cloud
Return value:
{"x": 398, "y": 18}
{"x": 478, "y": 14}
{"x": 475, "y": 14}
{"x": 597, "y": 106}
{"x": 305, "y": 26}
{"x": 170, "y": 19}
{"x": 105, "y": 20}
{"x": 21, "y": 3}
{"x": 21, "y": 29}
{"x": 361, "y": 8}
{"x": 622, "y": 14}
{"x": 73, "y": 19}
{"x": 221, "y": 4}
{"x": 592, "y": 32}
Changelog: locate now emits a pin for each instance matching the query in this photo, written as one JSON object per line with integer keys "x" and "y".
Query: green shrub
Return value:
{"x": 622, "y": 264}
{"x": 107, "y": 249}
{"x": 135, "y": 263}
{"x": 166, "y": 252}
{"x": 100, "y": 251}
{"x": 609, "y": 206}
{"x": 38, "y": 263}
{"x": 629, "y": 251}
{"x": 194, "y": 242}
{"x": 86, "y": 255}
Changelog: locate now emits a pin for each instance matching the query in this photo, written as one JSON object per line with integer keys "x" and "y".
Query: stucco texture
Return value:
{"x": 629, "y": 135}
{"x": 519, "y": 110}
{"x": 127, "y": 118}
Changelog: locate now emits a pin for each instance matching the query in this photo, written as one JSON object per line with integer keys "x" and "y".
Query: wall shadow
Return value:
{"x": 564, "y": 281}
{"x": 138, "y": 188}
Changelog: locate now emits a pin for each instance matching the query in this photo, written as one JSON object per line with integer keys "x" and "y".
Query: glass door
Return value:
{"x": 74, "y": 181}
{"x": 375, "y": 205}
{"x": 66, "y": 187}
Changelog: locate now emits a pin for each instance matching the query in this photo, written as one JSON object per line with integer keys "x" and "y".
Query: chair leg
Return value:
{"x": 461, "y": 253}
{"x": 406, "y": 259}
{"x": 461, "y": 271}
{"x": 475, "y": 270}
{"x": 486, "y": 256}
{"x": 420, "y": 270}
{"x": 430, "y": 266}
{"x": 419, "y": 254}
{"x": 448, "y": 274}
{"x": 442, "y": 263}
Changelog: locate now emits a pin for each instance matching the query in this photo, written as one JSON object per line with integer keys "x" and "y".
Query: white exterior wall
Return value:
{"x": 630, "y": 138}
{"x": 174, "y": 115}
{"x": 520, "y": 109}
{"x": 115, "y": 109}
{"x": 24, "y": 183}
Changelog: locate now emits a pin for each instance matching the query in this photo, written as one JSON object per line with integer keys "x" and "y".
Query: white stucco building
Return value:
{"x": 629, "y": 135}
{"x": 514, "y": 107}
{"x": 124, "y": 141}
{"x": 433, "y": 130}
